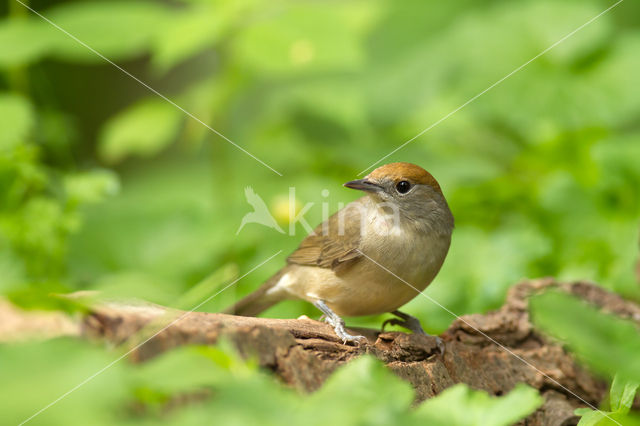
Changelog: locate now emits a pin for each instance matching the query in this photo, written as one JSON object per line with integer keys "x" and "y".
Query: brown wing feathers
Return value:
{"x": 334, "y": 244}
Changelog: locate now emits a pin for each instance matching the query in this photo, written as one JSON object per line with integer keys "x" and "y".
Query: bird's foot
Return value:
{"x": 412, "y": 324}
{"x": 338, "y": 327}
{"x": 337, "y": 323}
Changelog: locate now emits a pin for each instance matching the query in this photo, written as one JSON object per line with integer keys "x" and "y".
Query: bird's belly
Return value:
{"x": 368, "y": 293}
{"x": 390, "y": 273}
{"x": 364, "y": 289}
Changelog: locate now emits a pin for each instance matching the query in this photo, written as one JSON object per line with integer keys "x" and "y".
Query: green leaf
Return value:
{"x": 23, "y": 41}
{"x": 91, "y": 187}
{"x": 45, "y": 296}
{"x": 364, "y": 390}
{"x": 16, "y": 120}
{"x": 589, "y": 417}
{"x": 35, "y": 375}
{"x": 188, "y": 34}
{"x": 194, "y": 30}
{"x": 117, "y": 30}
{"x": 605, "y": 342}
{"x": 143, "y": 129}
{"x": 622, "y": 394}
{"x": 600, "y": 418}
{"x": 196, "y": 371}
{"x": 461, "y": 406}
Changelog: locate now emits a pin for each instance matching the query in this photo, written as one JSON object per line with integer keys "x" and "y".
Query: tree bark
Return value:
{"x": 492, "y": 351}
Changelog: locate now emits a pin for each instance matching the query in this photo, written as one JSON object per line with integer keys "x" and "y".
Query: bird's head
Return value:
{"x": 410, "y": 188}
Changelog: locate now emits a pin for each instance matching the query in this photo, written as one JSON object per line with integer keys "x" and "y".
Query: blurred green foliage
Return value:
{"x": 106, "y": 186}
{"x": 604, "y": 342}
{"x": 541, "y": 172}
{"x": 362, "y": 392}
{"x": 607, "y": 343}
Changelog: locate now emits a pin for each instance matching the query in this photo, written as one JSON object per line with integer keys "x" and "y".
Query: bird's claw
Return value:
{"x": 341, "y": 332}
{"x": 412, "y": 324}
{"x": 334, "y": 320}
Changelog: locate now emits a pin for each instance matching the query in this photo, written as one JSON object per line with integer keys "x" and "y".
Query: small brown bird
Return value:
{"x": 350, "y": 264}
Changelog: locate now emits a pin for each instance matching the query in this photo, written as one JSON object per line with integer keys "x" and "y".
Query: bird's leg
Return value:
{"x": 338, "y": 323}
{"x": 406, "y": 321}
{"x": 413, "y": 324}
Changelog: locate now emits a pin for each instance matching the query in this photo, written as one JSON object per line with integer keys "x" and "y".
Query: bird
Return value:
{"x": 371, "y": 257}
{"x": 260, "y": 213}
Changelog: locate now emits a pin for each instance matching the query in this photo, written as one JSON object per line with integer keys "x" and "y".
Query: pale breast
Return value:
{"x": 371, "y": 285}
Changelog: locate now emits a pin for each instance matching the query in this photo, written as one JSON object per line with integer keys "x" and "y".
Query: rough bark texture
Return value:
{"x": 493, "y": 351}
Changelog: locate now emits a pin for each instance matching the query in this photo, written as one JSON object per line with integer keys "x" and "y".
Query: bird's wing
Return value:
{"x": 333, "y": 244}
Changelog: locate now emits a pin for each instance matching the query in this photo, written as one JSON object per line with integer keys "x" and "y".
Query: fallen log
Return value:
{"x": 492, "y": 351}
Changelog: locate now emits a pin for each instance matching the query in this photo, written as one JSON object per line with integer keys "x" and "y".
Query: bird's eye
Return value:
{"x": 403, "y": 187}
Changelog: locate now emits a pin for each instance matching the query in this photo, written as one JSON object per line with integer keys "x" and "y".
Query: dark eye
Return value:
{"x": 403, "y": 187}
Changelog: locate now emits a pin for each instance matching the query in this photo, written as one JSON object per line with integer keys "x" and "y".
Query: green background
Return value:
{"x": 106, "y": 186}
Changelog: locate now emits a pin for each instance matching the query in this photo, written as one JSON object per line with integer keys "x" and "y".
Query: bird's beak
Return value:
{"x": 363, "y": 185}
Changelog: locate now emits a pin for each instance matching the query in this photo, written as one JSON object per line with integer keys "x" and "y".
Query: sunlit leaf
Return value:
{"x": 460, "y": 405}
{"x": 143, "y": 129}
{"x": 23, "y": 41}
{"x": 600, "y": 418}
{"x": 622, "y": 394}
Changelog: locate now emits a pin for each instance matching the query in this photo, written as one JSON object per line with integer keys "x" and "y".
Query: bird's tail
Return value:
{"x": 258, "y": 301}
